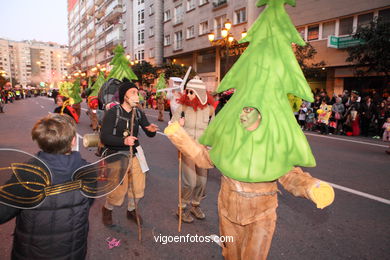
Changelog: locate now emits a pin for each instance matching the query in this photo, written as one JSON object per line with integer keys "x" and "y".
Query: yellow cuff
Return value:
{"x": 322, "y": 194}
{"x": 172, "y": 128}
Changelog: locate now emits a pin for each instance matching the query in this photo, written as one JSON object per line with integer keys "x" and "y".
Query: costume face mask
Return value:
{"x": 132, "y": 97}
{"x": 250, "y": 118}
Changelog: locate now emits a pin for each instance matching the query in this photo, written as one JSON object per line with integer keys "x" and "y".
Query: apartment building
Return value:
{"x": 32, "y": 62}
{"x": 187, "y": 24}
{"x": 97, "y": 26}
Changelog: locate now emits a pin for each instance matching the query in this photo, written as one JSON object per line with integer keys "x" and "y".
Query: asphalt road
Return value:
{"x": 355, "y": 226}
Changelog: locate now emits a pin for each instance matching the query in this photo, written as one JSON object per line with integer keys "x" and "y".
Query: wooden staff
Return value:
{"x": 130, "y": 173}
{"x": 180, "y": 208}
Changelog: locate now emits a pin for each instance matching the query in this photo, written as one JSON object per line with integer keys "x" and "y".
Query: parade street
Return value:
{"x": 355, "y": 226}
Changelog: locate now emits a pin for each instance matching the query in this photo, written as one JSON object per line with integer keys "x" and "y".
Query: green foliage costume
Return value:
{"x": 263, "y": 76}
{"x": 121, "y": 66}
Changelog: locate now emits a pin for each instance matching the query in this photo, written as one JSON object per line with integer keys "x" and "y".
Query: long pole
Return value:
{"x": 180, "y": 205}
{"x": 131, "y": 173}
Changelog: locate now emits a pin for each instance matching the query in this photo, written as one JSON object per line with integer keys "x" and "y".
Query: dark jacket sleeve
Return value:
{"x": 7, "y": 213}
{"x": 106, "y": 133}
{"x": 143, "y": 121}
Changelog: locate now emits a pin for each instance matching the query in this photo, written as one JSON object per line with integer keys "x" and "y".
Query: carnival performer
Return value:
{"x": 194, "y": 114}
{"x": 49, "y": 230}
{"x": 255, "y": 140}
{"x": 116, "y": 136}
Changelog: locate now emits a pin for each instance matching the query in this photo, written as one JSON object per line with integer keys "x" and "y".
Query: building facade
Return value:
{"x": 32, "y": 62}
{"x": 97, "y": 26}
{"x": 188, "y": 22}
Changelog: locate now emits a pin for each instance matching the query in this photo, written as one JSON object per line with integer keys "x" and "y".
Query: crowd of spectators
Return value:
{"x": 347, "y": 114}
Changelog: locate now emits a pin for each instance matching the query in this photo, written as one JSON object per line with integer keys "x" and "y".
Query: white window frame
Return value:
{"x": 141, "y": 37}
{"x": 167, "y": 15}
{"x": 203, "y": 29}
{"x": 178, "y": 41}
{"x": 190, "y": 32}
{"x": 190, "y": 5}
{"x": 240, "y": 16}
{"x": 167, "y": 40}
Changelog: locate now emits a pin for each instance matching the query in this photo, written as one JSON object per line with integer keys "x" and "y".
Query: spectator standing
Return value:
{"x": 338, "y": 110}
{"x": 386, "y": 133}
{"x": 367, "y": 112}
{"x": 302, "y": 115}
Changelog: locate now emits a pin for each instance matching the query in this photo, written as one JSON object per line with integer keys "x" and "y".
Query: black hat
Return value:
{"x": 123, "y": 88}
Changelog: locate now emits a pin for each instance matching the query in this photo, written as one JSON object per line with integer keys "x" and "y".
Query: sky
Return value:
{"x": 42, "y": 20}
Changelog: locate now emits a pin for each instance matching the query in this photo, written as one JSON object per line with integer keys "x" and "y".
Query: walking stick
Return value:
{"x": 131, "y": 173}
{"x": 180, "y": 208}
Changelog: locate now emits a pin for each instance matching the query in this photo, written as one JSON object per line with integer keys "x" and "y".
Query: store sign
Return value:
{"x": 343, "y": 42}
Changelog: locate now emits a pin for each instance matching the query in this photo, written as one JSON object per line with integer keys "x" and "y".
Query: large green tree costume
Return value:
{"x": 121, "y": 66}
{"x": 98, "y": 84}
{"x": 263, "y": 76}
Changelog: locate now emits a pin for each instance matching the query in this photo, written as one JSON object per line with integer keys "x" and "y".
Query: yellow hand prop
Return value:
{"x": 322, "y": 194}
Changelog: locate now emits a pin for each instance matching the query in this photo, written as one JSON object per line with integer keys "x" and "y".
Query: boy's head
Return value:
{"x": 55, "y": 133}
{"x": 60, "y": 100}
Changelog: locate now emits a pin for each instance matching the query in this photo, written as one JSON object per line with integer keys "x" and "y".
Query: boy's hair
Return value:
{"x": 54, "y": 133}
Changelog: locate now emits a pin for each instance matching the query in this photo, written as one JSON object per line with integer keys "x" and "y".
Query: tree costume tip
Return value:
{"x": 121, "y": 66}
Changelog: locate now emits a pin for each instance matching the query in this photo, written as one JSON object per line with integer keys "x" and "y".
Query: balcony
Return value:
{"x": 219, "y": 3}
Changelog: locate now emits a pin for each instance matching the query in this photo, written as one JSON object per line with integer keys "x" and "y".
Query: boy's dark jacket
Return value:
{"x": 58, "y": 228}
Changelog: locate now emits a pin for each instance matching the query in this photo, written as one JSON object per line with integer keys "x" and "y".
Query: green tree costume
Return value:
{"x": 263, "y": 76}
{"x": 121, "y": 66}
{"x": 98, "y": 84}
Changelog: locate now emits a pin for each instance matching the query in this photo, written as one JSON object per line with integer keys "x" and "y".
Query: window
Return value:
{"x": 178, "y": 41}
{"x": 140, "y": 55}
{"x": 240, "y": 16}
{"x": 151, "y": 53}
{"x": 190, "y": 4}
{"x": 218, "y": 24}
{"x": 141, "y": 2}
{"x": 151, "y": 31}
{"x": 151, "y": 9}
{"x": 178, "y": 14}
{"x": 141, "y": 35}
{"x": 312, "y": 32}
{"x": 203, "y": 27}
{"x": 328, "y": 29}
{"x": 202, "y": 2}
{"x": 167, "y": 15}
{"x": 190, "y": 32}
{"x": 384, "y": 15}
{"x": 167, "y": 40}
{"x": 141, "y": 16}
{"x": 346, "y": 26}
{"x": 364, "y": 20}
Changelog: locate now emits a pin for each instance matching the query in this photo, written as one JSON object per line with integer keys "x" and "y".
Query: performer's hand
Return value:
{"x": 130, "y": 140}
{"x": 182, "y": 121}
{"x": 152, "y": 128}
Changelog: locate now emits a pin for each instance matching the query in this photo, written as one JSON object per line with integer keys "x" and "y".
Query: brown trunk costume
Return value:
{"x": 160, "y": 107}
{"x": 247, "y": 211}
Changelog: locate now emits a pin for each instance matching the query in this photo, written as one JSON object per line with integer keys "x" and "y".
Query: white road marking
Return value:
{"x": 346, "y": 140}
{"x": 362, "y": 194}
{"x": 42, "y": 106}
{"x": 84, "y": 109}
